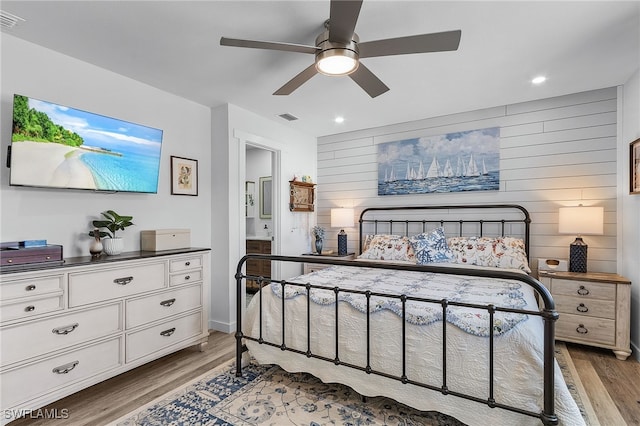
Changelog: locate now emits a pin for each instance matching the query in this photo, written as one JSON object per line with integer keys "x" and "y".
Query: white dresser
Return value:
{"x": 68, "y": 327}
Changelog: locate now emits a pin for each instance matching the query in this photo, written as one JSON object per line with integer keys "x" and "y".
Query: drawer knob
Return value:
{"x": 583, "y": 291}
{"x": 168, "y": 302}
{"x": 582, "y": 329}
{"x": 30, "y": 308}
{"x": 65, "y": 330}
{"x": 582, "y": 308}
{"x": 168, "y": 332}
{"x": 123, "y": 281}
{"x": 187, "y": 263}
{"x": 187, "y": 277}
{"x": 64, "y": 369}
{"x": 30, "y": 287}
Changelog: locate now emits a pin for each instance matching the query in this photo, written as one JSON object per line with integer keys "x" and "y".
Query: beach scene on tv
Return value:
{"x": 57, "y": 146}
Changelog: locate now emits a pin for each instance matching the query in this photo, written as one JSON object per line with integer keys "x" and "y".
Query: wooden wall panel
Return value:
{"x": 554, "y": 152}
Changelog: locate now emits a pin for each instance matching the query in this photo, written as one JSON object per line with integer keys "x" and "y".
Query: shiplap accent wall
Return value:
{"x": 553, "y": 152}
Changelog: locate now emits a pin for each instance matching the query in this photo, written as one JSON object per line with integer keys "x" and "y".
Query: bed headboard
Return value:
{"x": 457, "y": 220}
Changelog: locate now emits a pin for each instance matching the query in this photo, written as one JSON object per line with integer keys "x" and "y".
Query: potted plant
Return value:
{"x": 113, "y": 222}
{"x": 318, "y": 233}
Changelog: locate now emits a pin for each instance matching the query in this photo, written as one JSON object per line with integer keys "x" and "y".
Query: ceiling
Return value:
{"x": 174, "y": 46}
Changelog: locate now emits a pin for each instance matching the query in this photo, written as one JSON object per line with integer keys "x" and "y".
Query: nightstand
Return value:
{"x": 312, "y": 267}
{"x": 594, "y": 308}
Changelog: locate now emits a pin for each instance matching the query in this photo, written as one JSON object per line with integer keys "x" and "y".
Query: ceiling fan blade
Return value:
{"x": 342, "y": 20}
{"x": 297, "y": 81}
{"x": 424, "y": 43}
{"x": 270, "y": 45}
{"x": 368, "y": 81}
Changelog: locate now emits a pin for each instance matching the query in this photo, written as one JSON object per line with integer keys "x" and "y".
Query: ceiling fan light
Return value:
{"x": 337, "y": 62}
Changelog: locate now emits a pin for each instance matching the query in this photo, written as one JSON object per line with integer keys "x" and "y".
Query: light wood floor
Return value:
{"x": 613, "y": 386}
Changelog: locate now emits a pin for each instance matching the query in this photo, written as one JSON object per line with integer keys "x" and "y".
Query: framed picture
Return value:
{"x": 453, "y": 162}
{"x": 634, "y": 163}
{"x": 184, "y": 176}
{"x": 265, "y": 197}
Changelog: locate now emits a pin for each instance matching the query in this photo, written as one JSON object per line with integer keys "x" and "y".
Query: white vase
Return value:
{"x": 113, "y": 246}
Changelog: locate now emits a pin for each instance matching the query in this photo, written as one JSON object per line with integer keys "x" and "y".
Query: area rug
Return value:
{"x": 268, "y": 395}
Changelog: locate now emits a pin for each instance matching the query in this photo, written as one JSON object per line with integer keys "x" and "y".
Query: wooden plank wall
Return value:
{"x": 553, "y": 152}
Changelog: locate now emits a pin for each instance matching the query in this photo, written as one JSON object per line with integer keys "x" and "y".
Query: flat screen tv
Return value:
{"x": 55, "y": 146}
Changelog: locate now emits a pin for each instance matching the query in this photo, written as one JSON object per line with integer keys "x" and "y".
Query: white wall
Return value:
{"x": 64, "y": 216}
{"x": 234, "y": 128}
{"x": 553, "y": 152}
{"x": 629, "y": 229}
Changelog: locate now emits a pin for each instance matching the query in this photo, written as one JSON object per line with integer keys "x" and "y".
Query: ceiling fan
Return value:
{"x": 338, "y": 49}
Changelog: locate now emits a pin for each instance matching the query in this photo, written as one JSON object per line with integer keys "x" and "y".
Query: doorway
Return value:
{"x": 260, "y": 212}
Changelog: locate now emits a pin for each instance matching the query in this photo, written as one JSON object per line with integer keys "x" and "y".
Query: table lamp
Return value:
{"x": 580, "y": 221}
{"x": 342, "y": 218}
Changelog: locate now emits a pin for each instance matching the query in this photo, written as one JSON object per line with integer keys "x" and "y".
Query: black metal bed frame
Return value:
{"x": 548, "y": 313}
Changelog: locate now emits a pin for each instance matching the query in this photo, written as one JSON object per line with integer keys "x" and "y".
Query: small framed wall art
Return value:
{"x": 634, "y": 167}
{"x": 184, "y": 176}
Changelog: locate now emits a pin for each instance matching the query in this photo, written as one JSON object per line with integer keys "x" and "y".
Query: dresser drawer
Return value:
{"x": 31, "y": 306}
{"x": 585, "y": 307}
{"x": 586, "y": 329}
{"x": 185, "y": 264}
{"x": 27, "y": 382}
{"x": 91, "y": 287}
{"x": 152, "y": 339}
{"x": 30, "y": 287}
{"x": 153, "y": 308}
{"x": 186, "y": 277}
{"x": 24, "y": 341}
{"x": 585, "y": 289}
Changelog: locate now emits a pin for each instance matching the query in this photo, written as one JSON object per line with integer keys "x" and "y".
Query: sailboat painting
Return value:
{"x": 454, "y": 162}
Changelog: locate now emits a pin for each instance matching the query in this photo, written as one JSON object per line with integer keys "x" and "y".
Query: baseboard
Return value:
{"x": 635, "y": 351}
{"x": 225, "y": 327}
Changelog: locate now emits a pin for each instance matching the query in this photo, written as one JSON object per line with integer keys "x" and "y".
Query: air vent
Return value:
{"x": 288, "y": 117}
{"x": 8, "y": 20}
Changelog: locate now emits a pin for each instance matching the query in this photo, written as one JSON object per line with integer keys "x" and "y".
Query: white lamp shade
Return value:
{"x": 581, "y": 220}
{"x": 342, "y": 218}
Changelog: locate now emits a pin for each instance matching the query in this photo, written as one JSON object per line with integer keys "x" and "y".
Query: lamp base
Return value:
{"x": 578, "y": 256}
{"x": 342, "y": 243}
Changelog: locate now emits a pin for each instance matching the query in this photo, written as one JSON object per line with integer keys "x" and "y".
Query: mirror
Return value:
{"x": 265, "y": 197}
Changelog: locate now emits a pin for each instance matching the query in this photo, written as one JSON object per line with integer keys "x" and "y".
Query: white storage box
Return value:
{"x": 165, "y": 239}
{"x": 553, "y": 265}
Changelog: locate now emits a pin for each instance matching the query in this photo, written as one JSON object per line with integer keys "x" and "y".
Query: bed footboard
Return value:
{"x": 548, "y": 315}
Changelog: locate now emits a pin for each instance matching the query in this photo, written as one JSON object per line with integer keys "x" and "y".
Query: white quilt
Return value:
{"x": 518, "y": 350}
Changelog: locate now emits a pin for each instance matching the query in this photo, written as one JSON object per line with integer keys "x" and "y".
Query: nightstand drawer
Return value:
{"x": 314, "y": 267}
{"x": 585, "y": 307}
{"x": 584, "y": 289}
{"x": 586, "y": 329}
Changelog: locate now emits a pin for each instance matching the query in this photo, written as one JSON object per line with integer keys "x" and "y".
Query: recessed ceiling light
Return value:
{"x": 539, "y": 80}
{"x": 339, "y": 120}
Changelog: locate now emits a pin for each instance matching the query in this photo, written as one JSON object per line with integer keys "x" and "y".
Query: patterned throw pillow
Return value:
{"x": 389, "y": 247}
{"x": 500, "y": 252}
{"x": 431, "y": 247}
